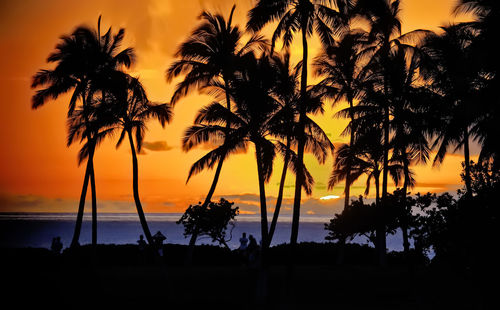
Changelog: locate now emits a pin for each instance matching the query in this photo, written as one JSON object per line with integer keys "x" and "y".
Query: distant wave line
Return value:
{"x": 151, "y": 217}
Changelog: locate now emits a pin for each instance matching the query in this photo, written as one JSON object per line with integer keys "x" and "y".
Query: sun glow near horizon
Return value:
{"x": 40, "y": 172}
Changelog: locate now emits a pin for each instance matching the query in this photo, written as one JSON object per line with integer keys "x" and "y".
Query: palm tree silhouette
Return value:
{"x": 343, "y": 78}
{"x": 84, "y": 59}
{"x": 383, "y": 17}
{"x": 210, "y": 56}
{"x": 260, "y": 118}
{"x": 279, "y": 88}
{"x": 90, "y": 125}
{"x": 485, "y": 28}
{"x": 132, "y": 110}
{"x": 456, "y": 79}
{"x": 306, "y": 17}
{"x": 249, "y": 123}
{"x": 287, "y": 94}
{"x": 410, "y": 121}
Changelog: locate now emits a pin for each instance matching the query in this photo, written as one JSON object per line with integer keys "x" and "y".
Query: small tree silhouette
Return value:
{"x": 211, "y": 221}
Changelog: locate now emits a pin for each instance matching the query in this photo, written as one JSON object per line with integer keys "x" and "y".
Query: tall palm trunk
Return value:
{"x": 263, "y": 207}
{"x": 262, "y": 280}
{"x": 347, "y": 191}
{"x": 467, "y": 177}
{"x": 299, "y": 180}
{"x": 381, "y": 240}
{"x": 94, "y": 199}
{"x": 349, "y": 163}
{"x": 81, "y": 206}
{"x": 404, "y": 222}
{"x": 380, "y": 231}
{"x": 279, "y": 200}
{"x": 135, "y": 188}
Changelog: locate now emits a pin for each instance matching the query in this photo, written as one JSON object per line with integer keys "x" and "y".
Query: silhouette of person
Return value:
{"x": 57, "y": 245}
{"x": 158, "y": 240}
{"x": 252, "y": 250}
{"x": 142, "y": 243}
{"x": 243, "y": 242}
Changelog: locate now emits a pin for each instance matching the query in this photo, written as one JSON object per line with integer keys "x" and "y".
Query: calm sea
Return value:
{"x": 38, "y": 229}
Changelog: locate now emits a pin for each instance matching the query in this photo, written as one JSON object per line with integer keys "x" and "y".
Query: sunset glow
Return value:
{"x": 39, "y": 173}
{"x": 329, "y": 197}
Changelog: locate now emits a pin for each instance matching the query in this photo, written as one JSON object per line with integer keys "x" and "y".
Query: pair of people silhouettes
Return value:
{"x": 158, "y": 239}
{"x": 249, "y": 248}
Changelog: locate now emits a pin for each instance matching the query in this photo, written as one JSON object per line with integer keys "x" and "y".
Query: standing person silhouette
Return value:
{"x": 57, "y": 245}
{"x": 142, "y": 243}
{"x": 158, "y": 241}
{"x": 243, "y": 242}
{"x": 252, "y": 250}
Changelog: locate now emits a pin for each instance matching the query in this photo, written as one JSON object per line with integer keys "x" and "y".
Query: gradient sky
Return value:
{"x": 39, "y": 173}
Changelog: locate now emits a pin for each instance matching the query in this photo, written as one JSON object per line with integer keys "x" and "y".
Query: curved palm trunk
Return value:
{"x": 94, "y": 201}
{"x": 194, "y": 236}
{"x": 467, "y": 177}
{"x": 81, "y": 206}
{"x": 208, "y": 198}
{"x": 299, "y": 180}
{"x": 404, "y": 222}
{"x": 279, "y": 200}
{"x": 135, "y": 187}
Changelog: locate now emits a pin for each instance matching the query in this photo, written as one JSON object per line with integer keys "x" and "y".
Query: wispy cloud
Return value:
{"x": 157, "y": 146}
{"x": 35, "y": 203}
{"x": 250, "y": 203}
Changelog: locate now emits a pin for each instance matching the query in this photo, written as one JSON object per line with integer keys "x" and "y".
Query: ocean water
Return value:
{"x": 38, "y": 229}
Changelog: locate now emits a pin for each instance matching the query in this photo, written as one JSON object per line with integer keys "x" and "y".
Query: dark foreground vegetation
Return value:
{"x": 122, "y": 276}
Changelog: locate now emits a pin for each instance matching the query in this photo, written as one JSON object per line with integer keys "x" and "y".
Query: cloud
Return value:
{"x": 320, "y": 185}
{"x": 310, "y": 206}
{"x": 243, "y": 197}
{"x": 157, "y": 146}
{"x": 35, "y": 203}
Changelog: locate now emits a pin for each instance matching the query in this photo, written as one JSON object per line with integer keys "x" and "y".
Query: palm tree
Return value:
{"x": 90, "y": 126}
{"x": 383, "y": 18}
{"x": 211, "y": 55}
{"x": 410, "y": 122}
{"x": 306, "y": 17}
{"x": 83, "y": 61}
{"x": 286, "y": 92}
{"x": 364, "y": 157}
{"x": 132, "y": 110}
{"x": 486, "y": 29}
{"x": 343, "y": 78}
{"x": 258, "y": 118}
{"x": 285, "y": 89}
{"x": 457, "y": 80}
{"x": 249, "y": 123}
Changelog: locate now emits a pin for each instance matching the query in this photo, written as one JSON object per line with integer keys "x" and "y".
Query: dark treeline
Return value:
{"x": 408, "y": 95}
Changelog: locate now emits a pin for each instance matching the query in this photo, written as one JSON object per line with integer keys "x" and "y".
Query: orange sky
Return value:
{"x": 39, "y": 173}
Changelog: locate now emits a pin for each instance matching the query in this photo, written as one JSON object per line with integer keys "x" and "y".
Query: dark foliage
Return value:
{"x": 461, "y": 231}
{"x": 210, "y": 220}
{"x": 360, "y": 219}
